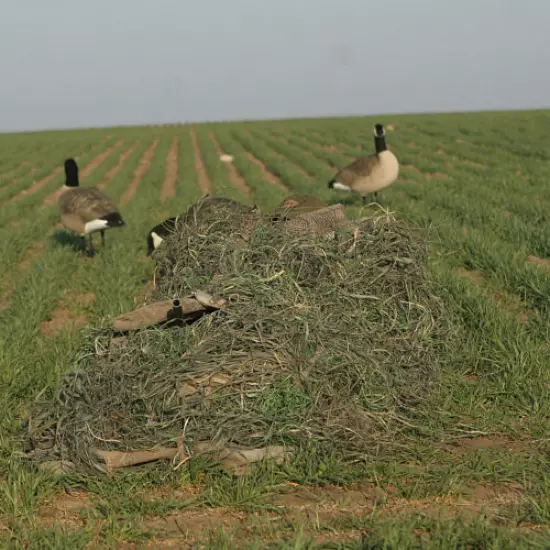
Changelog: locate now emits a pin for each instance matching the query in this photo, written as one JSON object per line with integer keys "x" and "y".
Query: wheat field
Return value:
{"x": 478, "y": 181}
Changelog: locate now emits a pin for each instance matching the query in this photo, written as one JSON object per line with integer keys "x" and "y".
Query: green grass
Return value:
{"x": 479, "y": 181}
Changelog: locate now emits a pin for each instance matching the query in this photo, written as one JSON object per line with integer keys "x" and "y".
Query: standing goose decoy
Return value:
{"x": 86, "y": 210}
{"x": 369, "y": 174}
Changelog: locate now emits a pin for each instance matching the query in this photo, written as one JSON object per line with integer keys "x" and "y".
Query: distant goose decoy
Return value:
{"x": 371, "y": 173}
{"x": 86, "y": 210}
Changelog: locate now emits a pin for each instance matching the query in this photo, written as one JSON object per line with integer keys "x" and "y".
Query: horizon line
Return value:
{"x": 271, "y": 119}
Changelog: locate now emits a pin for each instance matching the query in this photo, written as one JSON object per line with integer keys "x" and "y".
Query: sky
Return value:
{"x": 126, "y": 62}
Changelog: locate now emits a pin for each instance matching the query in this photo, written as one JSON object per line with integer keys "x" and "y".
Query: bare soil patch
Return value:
{"x": 312, "y": 507}
{"x": 269, "y": 176}
{"x": 202, "y": 177}
{"x": 5, "y": 298}
{"x": 469, "y": 444}
{"x": 171, "y": 173}
{"x": 331, "y": 149}
{"x": 145, "y": 293}
{"x": 32, "y": 253}
{"x": 60, "y": 320}
{"x": 473, "y": 164}
{"x": 73, "y": 299}
{"x": 541, "y": 262}
{"x": 114, "y": 170}
{"x": 473, "y": 275}
{"x": 441, "y": 152}
{"x": 436, "y": 176}
{"x": 70, "y": 313}
{"x": 139, "y": 172}
{"x": 411, "y": 168}
{"x": 511, "y": 304}
{"x": 234, "y": 177}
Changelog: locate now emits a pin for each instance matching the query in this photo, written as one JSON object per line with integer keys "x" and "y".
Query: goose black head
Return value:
{"x": 159, "y": 233}
{"x": 378, "y": 130}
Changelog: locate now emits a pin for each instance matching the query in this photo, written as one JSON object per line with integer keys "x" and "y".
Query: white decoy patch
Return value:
{"x": 341, "y": 186}
{"x": 156, "y": 239}
{"x": 95, "y": 225}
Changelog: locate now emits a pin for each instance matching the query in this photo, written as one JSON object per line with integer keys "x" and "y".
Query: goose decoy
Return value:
{"x": 206, "y": 206}
{"x": 86, "y": 210}
{"x": 371, "y": 173}
{"x": 294, "y": 205}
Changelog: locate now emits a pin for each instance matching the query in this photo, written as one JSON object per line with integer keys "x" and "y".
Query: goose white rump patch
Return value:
{"x": 341, "y": 186}
{"x": 95, "y": 225}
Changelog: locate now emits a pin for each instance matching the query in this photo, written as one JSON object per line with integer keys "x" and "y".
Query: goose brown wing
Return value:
{"x": 359, "y": 168}
{"x": 88, "y": 203}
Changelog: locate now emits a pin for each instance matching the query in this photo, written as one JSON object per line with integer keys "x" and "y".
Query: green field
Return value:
{"x": 475, "y": 473}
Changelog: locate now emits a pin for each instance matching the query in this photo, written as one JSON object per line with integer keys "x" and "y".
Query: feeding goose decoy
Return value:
{"x": 371, "y": 173}
{"x": 295, "y": 205}
{"x": 205, "y": 207}
{"x": 159, "y": 233}
{"x": 86, "y": 210}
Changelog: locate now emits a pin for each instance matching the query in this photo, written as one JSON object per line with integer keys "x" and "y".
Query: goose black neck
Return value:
{"x": 71, "y": 173}
{"x": 380, "y": 143}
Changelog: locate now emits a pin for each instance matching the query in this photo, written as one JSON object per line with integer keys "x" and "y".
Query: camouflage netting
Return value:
{"x": 327, "y": 343}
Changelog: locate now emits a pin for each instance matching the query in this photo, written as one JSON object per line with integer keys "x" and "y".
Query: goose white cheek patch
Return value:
{"x": 156, "y": 239}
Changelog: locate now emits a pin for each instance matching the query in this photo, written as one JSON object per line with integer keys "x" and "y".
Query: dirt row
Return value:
{"x": 142, "y": 167}
{"x": 436, "y": 175}
{"x": 234, "y": 177}
{"x": 171, "y": 173}
{"x": 324, "y": 513}
{"x": 37, "y": 185}
{"x": 115, "y": 169}
{"x": 202, "y": 177}
{"x": 9, "y": 174}
{"x": 278, "y": 155}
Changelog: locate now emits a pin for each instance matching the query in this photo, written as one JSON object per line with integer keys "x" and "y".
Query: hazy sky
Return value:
{"x": 107, "y": 62}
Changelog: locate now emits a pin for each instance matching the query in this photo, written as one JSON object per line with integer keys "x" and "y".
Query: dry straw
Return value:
{"x": 327, "y": 343}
